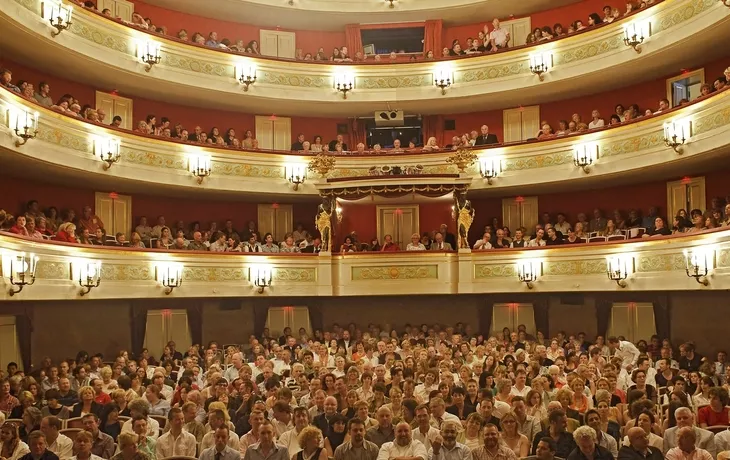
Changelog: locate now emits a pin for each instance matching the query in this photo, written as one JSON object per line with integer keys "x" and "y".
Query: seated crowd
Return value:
{"x": 552, "y": 230}
{"x": 422, "y": 393}
{"x": 166, "y": 128}
{"x": 486, "y": 40}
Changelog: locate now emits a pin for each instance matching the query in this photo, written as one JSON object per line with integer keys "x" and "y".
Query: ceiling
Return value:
{"x": 36, "y": 50}
{"x": 333, "y": 15}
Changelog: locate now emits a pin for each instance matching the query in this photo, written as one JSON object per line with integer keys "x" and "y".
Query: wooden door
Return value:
{"x": 634, "y": 320}
{"x": 398, "y": 221}
{"x": 519, "y": 29}
{"x": 116, "y": 213}
{"x": 277, "y": 221}
{"x": 286, "y": 44}
{"x": 116, "y": 106}
{"x": 269, "y": 43}
{"x": 123, "y": 10}
{"x": 292, "y": 317}
{"x": 528, "y": 213}
{"x": 282, "y": 133}
{"x": 512, "y": 122}
{"x": 511, "y": 214}
{"x": 685, "y": 194}
{"x": 265, "y": 132}
{"x": 166, "y": 325}
{"x": 530, "y": 121}
{"x": 511, "y": 315}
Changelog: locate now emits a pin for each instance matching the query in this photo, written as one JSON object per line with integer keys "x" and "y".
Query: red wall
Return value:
{"x": 309, "y": 40}
{"x": 646, "y": 95}
{"x": 358, "y": 216}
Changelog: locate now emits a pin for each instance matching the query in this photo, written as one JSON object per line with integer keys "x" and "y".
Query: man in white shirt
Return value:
{"x": 58, "y": 443}
{"x": 445, "y": 446}
{"x": 141, "y": 407}
{"x": 404, "y": 447}
{"x": 290, "y": 438}
{"x": 424, "y": 432}
{"x": 625, "y": 350}
{"x": 176, "y": 442}
{"x": 499, "y": 37}
{"x": 283, "y": 363}
{"x": 519, "y": 388}
{"x": 233, "y": 372}
{"x": 686, "y": 448}
{"x": 439, "y": 414}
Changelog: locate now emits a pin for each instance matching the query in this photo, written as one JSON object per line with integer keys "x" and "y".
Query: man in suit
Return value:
{"x": 598, "y": 223}
{"x": 704, "y": 439}
{"x": 315, "y": 247}
{"x": 486, "y": 138}
{"x": 339, "y": 140}
{"x": 299, "y": 144}
{"x": 345, "y": 342}
{"x": 448, "y": 237}
{"x": 439, "y": 244}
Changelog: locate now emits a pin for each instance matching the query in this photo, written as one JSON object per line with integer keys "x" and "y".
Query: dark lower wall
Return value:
{"x": 62, "y": 328}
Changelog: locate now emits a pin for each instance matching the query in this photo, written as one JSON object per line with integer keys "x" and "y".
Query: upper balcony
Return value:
{"x": 336, "y": 14}
{"x": 101, "y": 51}
{"x": 69, "y": 146}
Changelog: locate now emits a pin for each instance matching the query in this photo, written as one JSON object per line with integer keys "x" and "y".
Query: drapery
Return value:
{"x": 195, "y": 322}
{"x": 353, "y": 39}
{"x": 24, "y": 329}
{"x": 540, "y": 312}
{"x": 395, "y": 191}
{"x": 260, "y": 315}
{"x": 433, "y": 126}
{"x": 138, "y": 326}
{"x": 485, "y": 312}
{"x": 432, "y": 37}
{"x": 603, "y": 316}
{"x": 661, "y": 316}
{"x": 357, "y": 132}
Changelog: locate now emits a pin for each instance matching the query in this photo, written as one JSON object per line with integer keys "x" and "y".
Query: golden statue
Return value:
{"x": 323, "y": 222}
{"x": 464, "y": 219}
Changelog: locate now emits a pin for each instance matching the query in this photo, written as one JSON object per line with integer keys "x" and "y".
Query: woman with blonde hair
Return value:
{"x": 431, "y": 145}
{"x": 218, "y": 405}
{"x": 107, "y": 383}
{"x": 472, "y": 435}
{"x": 310, "y": 439}
{"x": 11, "y": 447}
{"x": 511, "y": 435}
{"x": 580, "y": 401}
{"x": 86, "y": 404}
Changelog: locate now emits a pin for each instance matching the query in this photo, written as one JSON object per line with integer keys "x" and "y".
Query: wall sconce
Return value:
{"x": 19, "y": 269}
{"x": 699, "y": 262}
{"x": 246, "y": 74}
{"x": 88, "y": 274}
{"x": 170, "y": 275}
{"x": 635, "y": 33}
{"x": 391, "y": 3}
{"x": 295, "y": 174}
{"x": 344, "y": 82}
{"x": 149, "y": 52}
{"x": 490, "y": 168}
{"x": 260, "y": 276}
{"x": 58, "y": 14}
{"x": 338, "y": 212}
{"x": 443, "y": 78}
{"x": 584, "y": 155}
{"x": 23, "y": 123}
{"x": 618, "y": 268}
{"x": 107, "y": 149}
{"x": 676, "y": 133}
{"x": 199, "y": 166}
{"x": 540, "y": 63}
{"x": 528, "y": 271}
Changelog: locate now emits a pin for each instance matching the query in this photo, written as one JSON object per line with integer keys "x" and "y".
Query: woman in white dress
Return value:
{"x": 11, "y": 447}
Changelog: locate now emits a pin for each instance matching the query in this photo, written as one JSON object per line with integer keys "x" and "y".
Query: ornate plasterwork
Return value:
{"x": 118, "y": 38}
{"x": 395, "y": 272}
{"x": 48, "y": 270}
{"x": 127, "y": 272}
{"x": 214, "y": 274}
{"x": 295, "y": 275}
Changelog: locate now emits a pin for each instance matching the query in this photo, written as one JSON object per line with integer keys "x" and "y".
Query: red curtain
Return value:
{"x": 353, "y": 39}
{"x": 356, "y": 132}
{"x": 432, "y": 37}
{"x": 433, "y": 127}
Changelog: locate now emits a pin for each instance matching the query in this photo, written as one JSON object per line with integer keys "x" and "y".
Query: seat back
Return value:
{"x": 162, "y": 420}
{"x": 636, "y": 232}
{"x": 616, "y": 238}
{"x": 71, "y": 432}
{"x": 597, "y": 239}
{"x": 75, "y": 422}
